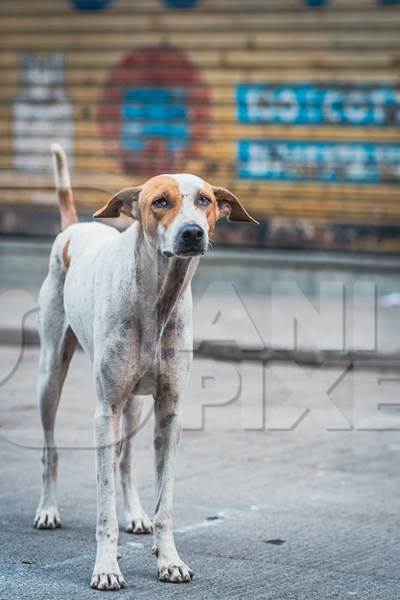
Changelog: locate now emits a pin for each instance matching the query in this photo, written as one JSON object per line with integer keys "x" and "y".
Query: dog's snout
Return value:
{"x": 192, "y": 233}
{"x": 190, "y": 240}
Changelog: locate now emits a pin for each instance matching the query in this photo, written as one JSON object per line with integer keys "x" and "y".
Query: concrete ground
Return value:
{"x": 279, "y": 496}
{"x": 287, "y": 480}
{"x": 255, "y": 299}
{"x": 358, "y": 321}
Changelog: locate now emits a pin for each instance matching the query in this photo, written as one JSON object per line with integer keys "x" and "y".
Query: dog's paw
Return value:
{"x": 174, "y": 571}
{"x": 107, "y": 581}
{"x": 47, "y": 519}
{"x": 139, "y": 523}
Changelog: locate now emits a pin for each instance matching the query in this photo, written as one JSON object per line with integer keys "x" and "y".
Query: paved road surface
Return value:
{"x": 261, "y": 514}
{"x": 278, "y": 320}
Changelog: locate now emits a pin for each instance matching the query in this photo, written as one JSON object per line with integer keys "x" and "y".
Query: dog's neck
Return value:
{"x": 159, "y": 282}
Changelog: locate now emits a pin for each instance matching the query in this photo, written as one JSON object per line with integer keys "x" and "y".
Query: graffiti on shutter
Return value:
{"x": 42, "y": 112}
{"x": 154, "y": 111}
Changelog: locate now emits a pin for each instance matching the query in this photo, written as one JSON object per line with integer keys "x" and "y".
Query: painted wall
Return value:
{"x": 293, "y": 104}
{"x": 41, "y": 112}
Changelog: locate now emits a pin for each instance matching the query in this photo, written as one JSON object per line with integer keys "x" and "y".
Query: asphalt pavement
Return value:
{"x": 287, "y": 486}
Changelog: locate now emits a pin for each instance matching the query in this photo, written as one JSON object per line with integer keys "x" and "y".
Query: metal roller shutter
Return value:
{"x": 292, "y": 104}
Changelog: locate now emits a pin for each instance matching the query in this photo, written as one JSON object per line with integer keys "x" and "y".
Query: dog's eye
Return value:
{"x": 203, "y": 200}
{"x": 161, "y": 202}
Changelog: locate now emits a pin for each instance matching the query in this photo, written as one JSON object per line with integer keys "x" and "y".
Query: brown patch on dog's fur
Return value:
{"x": 230, "y": 206}
{"x": 65, "y": 255}
{"x": 67, "y": 208}
{"x": 211, "y": 209}
{"x": 151, "y": 216}
{"x": 121, "y": 203}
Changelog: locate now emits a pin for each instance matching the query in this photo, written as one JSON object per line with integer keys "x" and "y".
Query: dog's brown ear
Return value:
{"x": 230, "y": 206}
{"x": 123, "y": 203}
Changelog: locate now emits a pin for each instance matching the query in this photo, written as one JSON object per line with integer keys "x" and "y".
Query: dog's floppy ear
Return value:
{"x": 123, "y": 203}
{"x": 230, "y": 206}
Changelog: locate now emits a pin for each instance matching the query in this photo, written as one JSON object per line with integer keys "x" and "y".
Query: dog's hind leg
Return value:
{"x": 136, "y": 519}
{"x": 58, "y": 343}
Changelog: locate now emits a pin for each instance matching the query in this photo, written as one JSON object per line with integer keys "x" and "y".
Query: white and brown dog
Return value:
{"x": 126, "y": 298}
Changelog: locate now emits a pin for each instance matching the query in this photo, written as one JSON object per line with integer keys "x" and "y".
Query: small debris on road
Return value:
{"x": 275, "y": 542}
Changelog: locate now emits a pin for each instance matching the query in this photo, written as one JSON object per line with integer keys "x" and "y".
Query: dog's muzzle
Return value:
{"x": 190, "y": 241}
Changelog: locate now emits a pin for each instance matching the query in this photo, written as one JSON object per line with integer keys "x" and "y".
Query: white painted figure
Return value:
{"x": 42, "y": 112}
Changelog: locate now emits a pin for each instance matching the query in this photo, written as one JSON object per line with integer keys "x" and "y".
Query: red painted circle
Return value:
{"x": 158, "y": 68}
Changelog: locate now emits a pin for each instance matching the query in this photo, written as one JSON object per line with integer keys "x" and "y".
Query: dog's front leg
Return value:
{"x": 166, "y": 440}
{"x": 137, "y": 519}
{"x": 106, "y": 573}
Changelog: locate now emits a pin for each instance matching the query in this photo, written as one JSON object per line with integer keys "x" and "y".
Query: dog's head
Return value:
{"x": 177, "y": 212}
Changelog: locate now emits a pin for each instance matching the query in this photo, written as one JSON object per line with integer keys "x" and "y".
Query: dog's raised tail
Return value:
{"x": 63, "y": 186}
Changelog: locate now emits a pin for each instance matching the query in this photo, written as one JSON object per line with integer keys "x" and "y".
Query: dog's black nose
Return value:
{"x": 192, "y": 234}
{"x": 190, "y": 241}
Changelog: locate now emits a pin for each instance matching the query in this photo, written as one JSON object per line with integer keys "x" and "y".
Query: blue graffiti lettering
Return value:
{"x": 329, "y": 162}
{"x": 308, "y": 104}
